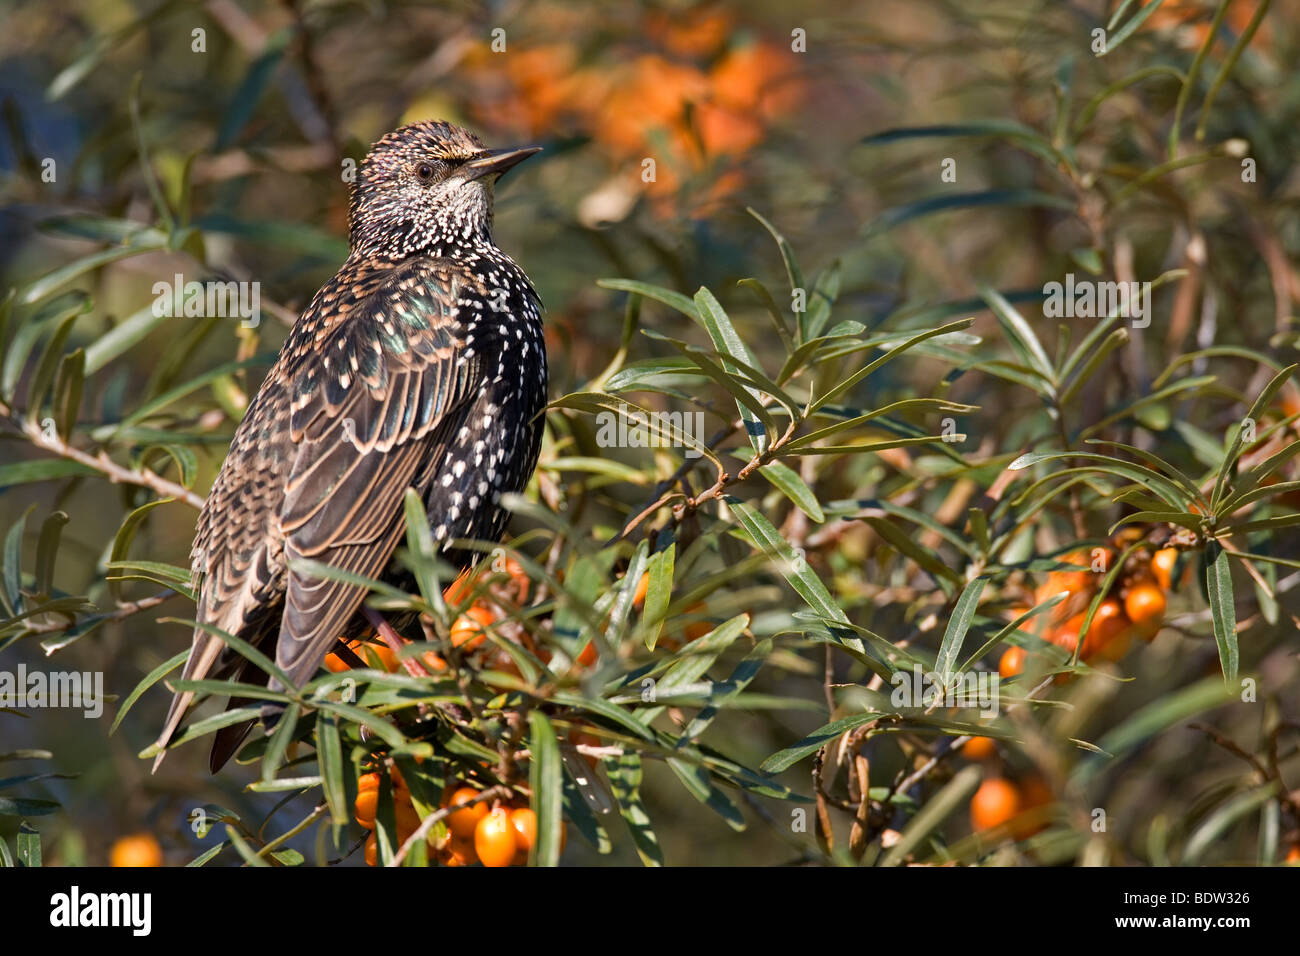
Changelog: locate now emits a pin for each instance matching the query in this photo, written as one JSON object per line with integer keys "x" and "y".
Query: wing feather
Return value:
{"x": 382, "y": 416}
{"x": 377, "y": 348}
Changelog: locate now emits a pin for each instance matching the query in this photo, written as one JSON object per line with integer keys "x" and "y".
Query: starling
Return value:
{"x": 421, "y": 365}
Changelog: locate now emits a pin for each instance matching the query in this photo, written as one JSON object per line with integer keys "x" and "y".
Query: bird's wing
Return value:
{"x": 372, "y": 405}
{"x": 292, "y": 473}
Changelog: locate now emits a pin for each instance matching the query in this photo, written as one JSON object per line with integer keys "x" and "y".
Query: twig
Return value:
{"x": 111, "y": 470}
{"x": 422, "y": 832}
{"x": 124, "y": 610}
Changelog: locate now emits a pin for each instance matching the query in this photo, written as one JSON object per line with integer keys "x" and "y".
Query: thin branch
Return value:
{"x": 110, "y": 469}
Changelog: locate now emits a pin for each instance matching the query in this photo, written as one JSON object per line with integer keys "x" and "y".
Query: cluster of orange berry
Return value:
{"x": 468, "y": 631}
{"x": 502, "y": 835}
{"x": 1136, "y": 609}
{"x": 1000, "y": 801}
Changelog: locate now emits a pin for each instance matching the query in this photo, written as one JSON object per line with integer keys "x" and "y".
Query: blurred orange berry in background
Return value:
{"x": 688, "y": 100}
{"x": 1190, "y": 20}
{"x": 642, "y": 589}
{"x": 1012, "y": 662}
{"x": 1107, "y": 635}
{"x": 1075, "y": 583}
{"x": 997, "y": 801}
{"x": 470, "y": 629}
{"x": 138, "y": 849}
{"x": 1034, "y": 793}
{"x": 699, "y": 32}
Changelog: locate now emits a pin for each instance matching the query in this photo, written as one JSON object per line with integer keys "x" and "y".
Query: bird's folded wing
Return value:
{"x": 374, "y": 401}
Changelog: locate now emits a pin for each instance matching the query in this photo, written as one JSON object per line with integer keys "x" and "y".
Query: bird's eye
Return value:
{"x": 424, "y": 171}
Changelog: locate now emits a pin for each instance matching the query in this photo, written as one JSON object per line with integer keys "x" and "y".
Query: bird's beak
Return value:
{"x": 497, "y": 161}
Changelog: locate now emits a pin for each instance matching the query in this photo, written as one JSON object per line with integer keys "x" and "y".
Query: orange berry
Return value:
{"x": 979, "y": 748}
{"x": 1162, "y": 566}
{"x": 1145, "y": 605}
{"x": 524, "y": 823}
{"x": 368, "y": 781}
{"x": 1112, "y": 628}
{"x": 470, "y": 628}
{"x": 408, "y": 820}
{"x": 387, "y": 659}
{"x": 494, "y": 839}
{"x": 996, "y": 802}
{"x": 589, "y": 655}
{"x": 1293, "y": 854}
{"x": 1074, "y": 582}
{"x": 1107, "y": 636}
{"x": 1012, "y": 662}
{"x": 460, "y": 851}
{"x": 642, "y": 587}
{"x": 462, "y": 822}
{"x": 518, "y": 578}
{"x": 136, "y": 850}
{"x": 1034, "y": 793}
{"x": 365, "y": 807}
{"x": 372, "y": 851}
{"x": 458, "y": 590}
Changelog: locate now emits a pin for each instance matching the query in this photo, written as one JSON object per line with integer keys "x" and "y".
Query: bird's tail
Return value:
{"x": 203, "y": 654}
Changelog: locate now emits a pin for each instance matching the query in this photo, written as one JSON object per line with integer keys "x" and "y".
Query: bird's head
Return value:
{"x": 426, "y": 186}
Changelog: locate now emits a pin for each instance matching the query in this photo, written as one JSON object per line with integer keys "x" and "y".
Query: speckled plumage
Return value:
{"x": 420, "y": 364}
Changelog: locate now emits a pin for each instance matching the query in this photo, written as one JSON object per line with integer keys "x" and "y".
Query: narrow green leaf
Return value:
{"x": 625, "y": 782}
{"x": 329, "y": 755}
{"x": 47, "y": 365}
{"x": 67, "y": 391}
{"x": 793, "y": 567}
{"x": 785, "y": 759}
{"x": 958, "y": 625}
{"x": 28, "y": 845}
{"x": 125, "y": 535}
{"x": 674, "y": 300}
{"x": 726, "y": 340}
{"x": 1021, "y": 334}
{"x": 659, "y": 588}
{"x": 786, "y": 480}
{"x": 792, "y": 271}
{"x": 546, "y": 779}
{"x": 47, "y": 550}
{"x": 1223, "y": 609}
{"x": 1127, "y": 30}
